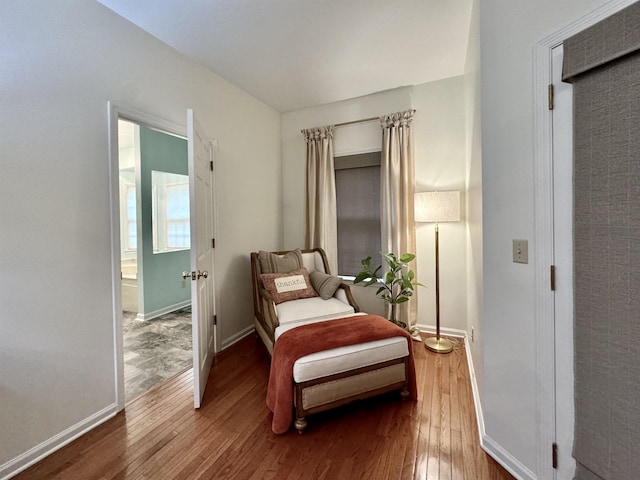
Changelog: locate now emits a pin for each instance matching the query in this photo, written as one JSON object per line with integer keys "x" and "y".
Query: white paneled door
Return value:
{"x": 202, "y": 230}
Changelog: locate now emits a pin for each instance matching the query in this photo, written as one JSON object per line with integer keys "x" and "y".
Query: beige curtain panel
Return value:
{"x": 397, "y": 180}
{"x": 321, "y": 228}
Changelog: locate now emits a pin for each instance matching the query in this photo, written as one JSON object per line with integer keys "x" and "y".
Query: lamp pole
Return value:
{"x": 437, "y": 344}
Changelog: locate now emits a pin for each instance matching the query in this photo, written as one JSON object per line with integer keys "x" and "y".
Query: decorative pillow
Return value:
{"x": 272, "y": 263}
{"x": 325, "y": 284}
{"x": 284, "y": 287}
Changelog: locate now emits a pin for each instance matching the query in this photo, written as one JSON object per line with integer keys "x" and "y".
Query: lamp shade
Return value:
{"x": 437, "y": 207}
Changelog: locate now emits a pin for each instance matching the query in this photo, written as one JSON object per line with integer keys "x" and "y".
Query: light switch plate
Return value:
{"x": 520, "y": 251}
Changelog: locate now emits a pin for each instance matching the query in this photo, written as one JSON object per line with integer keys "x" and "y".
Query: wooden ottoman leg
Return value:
{"x": 301, "y": 424}
{"x": 404, "y": 393}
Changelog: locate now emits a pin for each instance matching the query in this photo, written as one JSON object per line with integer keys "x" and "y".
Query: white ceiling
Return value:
{"x": 293, "y": 54}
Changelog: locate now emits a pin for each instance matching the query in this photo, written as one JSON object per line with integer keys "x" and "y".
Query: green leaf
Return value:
{"x": 390, "y": 258}
{"x": 407, "y": 257}
{"x": 402, "y": 300}
{"x": 361, "y": 277}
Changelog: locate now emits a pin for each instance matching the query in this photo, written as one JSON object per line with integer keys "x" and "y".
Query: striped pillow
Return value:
{"x": 325, "y": 284}
{"x": 272, "y": 263}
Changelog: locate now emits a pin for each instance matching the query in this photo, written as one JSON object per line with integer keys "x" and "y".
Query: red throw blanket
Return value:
{"x": 316, "y": 337}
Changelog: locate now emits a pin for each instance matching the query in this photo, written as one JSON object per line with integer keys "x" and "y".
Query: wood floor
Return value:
{"x": 161, "y": 436}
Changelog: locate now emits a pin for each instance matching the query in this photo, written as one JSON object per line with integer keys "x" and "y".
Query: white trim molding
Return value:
{"x": 237, "y": 337}
{"x": 163, "y": 311}
{"x": 447, "y": 332}
{"x": 499, "y": 454}
{"x": 474, "y": 389}
{"x": 37, "y": 453}
{"x": 504, "y": 458}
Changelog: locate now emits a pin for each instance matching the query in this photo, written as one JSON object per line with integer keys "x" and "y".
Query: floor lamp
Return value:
{"x": 437, "y": 207}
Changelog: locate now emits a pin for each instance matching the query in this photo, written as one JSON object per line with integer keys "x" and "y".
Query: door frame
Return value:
{"x": 547, "y": 345}
{"x": 115, "y": 113}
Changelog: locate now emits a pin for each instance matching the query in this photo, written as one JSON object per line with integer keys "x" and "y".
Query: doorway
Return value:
{"x": 201, "y": 277}
{"x": 154, "y": 251}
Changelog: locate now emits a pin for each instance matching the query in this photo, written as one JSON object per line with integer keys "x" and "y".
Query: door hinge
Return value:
{"x": 215, "y": 319}
{"x": 552, "y": 277}
{"x": 551, "y": 96}
{"x": 554, "y": 454}
{"x": 213, "y": 243}
{"x": 211, "y": 165}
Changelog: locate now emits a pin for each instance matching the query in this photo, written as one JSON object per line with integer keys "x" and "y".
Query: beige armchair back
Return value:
{"x": 267, "y": 315}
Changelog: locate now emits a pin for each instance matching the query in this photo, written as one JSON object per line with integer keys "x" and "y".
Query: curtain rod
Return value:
{"x": 350, "y": 123}
{"x": 356, "y": 121}
{"x": 363, "y": 120}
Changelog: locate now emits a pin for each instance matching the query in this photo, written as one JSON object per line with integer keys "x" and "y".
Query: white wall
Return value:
{"x": 509, "y": 31}
{"x": 61, "y": 63}
{"x": 440, "y": 149}
{"x": 474, "y": 197}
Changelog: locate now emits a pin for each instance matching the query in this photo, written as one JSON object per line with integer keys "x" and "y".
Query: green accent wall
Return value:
{"x": 160, "y": 275}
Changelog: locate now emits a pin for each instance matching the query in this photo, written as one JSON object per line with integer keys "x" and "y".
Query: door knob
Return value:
{"x": 195, "y": 275}
{"x": 204, "y": 274}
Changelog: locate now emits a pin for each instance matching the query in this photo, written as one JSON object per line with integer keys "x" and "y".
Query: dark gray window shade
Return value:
{"x": 603, "y": 63}
{"x": 358, "y": 210}
{"x": 608, "y": 40}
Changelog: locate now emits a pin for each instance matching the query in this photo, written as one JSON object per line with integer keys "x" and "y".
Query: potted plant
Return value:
{"x": 397, "y": 283}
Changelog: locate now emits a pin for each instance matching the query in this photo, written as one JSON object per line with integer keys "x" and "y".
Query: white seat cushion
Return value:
{"x": 343, "y": 359}
{"x": 311, "y": 309}
{"x": 283, "y": 328}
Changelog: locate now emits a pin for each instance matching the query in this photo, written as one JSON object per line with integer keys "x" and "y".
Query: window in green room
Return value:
{"x": 131, "y": 226}
{"x": 171, "y": 217}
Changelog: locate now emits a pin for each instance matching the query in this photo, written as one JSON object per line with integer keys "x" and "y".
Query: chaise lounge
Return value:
{"x": 340, "y": 355}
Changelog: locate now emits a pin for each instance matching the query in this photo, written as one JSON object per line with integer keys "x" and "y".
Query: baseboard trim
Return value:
{"x": 449, "y": 332}
{"x": 37, "y": 453}
{"x": 162, "y": 311}
{"x": 499, "y": 454}
{"x": 237, "y": 337}
{"x": 504, "y": 458}
{"x": 474, "y": 389}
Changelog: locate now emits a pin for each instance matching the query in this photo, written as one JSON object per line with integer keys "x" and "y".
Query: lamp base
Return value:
{"x": 438, "y": 345}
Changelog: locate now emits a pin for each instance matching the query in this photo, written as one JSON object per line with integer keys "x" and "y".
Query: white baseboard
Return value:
{"x": 474, "y": 389}
{"x": 37, "y": 453}
{"x": 499, "y": 454}
{"x": 237, "y": 337}
{"x": 504, "y": 458}
{"x": 162, "y": 311}
{"x": 449, "y": 332}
